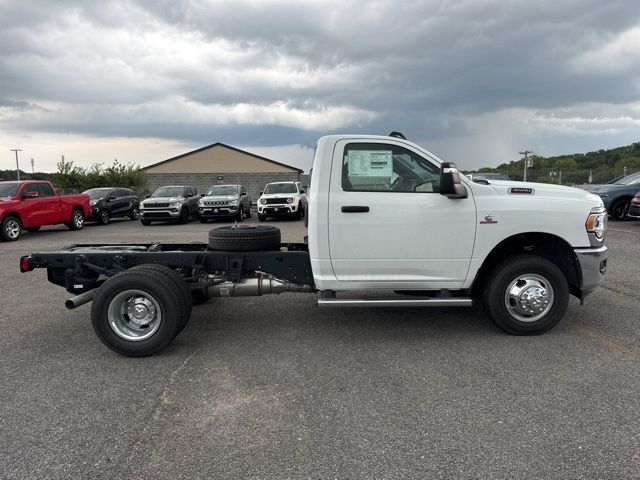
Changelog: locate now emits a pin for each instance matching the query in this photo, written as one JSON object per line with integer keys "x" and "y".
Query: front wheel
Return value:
{"x": 77, "y": 220}
{"x": 135, "y": 213}
{"x": 146, "y": 223}
{"x": 184, "y": 216}
{"x": 104, "y": 217}
{"x": 11, "y": 229}
{"x": 262, "y": 218}
{"x": 620, "y": 210}
{"x": 526, "y": 295}
{"x": 240, "y": 214}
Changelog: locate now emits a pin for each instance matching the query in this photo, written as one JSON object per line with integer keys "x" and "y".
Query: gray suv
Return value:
{"x": 224, "y": 201}
{"x": 171, "y": 203}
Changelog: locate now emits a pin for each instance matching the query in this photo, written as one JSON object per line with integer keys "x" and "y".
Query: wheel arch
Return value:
{"x": 624, "y": 196}
{"x": 546, "y": 245}
{"x": 11, "y": 213}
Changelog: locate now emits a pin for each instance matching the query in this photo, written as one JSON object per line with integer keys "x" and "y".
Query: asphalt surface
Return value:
{"x": 272, "y": 387}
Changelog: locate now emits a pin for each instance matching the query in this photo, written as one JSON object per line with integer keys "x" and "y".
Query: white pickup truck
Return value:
{"x": 389, "y": 225}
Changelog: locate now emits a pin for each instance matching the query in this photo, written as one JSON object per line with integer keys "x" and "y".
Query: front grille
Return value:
{"x": 216, "y": 202}
{"x": 156, "y": 205}
{"x": 271, "y": 201}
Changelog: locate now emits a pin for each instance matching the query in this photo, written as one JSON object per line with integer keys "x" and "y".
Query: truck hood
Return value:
{"x": 606, "y": 188}
{"x": 545, "y": 190}
{"x": 162, "y": 200}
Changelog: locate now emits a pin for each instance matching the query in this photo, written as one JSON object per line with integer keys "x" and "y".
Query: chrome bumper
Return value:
{"x": 593, "y": 264}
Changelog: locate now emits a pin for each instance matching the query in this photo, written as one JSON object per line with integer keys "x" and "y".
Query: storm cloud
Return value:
{"x": 473, "y": 80}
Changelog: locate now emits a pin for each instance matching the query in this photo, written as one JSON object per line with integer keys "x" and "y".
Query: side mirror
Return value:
{"x": 31, "y": 194}
{"x": 243, "y": 194}
{"x": 301, "y": 191}
{"x": 147, "y": 196}
{"x": 189, "y": 195}
{"x": 260, "y": 192}
{"x": 450, "y": 184}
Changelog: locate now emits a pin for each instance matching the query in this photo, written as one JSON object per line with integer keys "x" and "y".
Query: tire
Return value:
{"x": 262, "y": 218}
{"x": 620, "y": 210}
{"x": 11, "y": 228}
{"x": 135, "y": 213}
{"x": 177, "y": 280}
{"x": 184, "y": 215}
{"x": 298, "y": 215}
{"x": 245, "y": 238}
{"x": 77, "y": 220}
{"x": 240, "y": 215}
{"x": 508, "y": 287}
{"x": 33, "y": 229}
{"x": 248, "y": 212}
{"x": 105, "y": 217}
{"x": 146, "y": 223}
{"x": 159, "y": 305}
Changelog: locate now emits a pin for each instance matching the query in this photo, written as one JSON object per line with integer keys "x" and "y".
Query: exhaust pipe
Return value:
{"x": 255, "y": 287}
{"x": 79, "y": 300}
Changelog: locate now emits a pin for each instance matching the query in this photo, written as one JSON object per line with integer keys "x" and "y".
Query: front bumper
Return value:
{"x": 159, "y": 213}
{"x": 218, "y": 212}
{"x": 634, "y": 210}
{"x": 593, "y": 265}
{"x": 274, "y": 210}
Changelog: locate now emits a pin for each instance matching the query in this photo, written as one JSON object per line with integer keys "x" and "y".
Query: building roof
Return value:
{"x": 220, "y": 144}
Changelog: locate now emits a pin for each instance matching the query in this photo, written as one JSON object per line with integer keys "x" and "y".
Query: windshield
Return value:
{"x": 280, "y": 188}
{"x": 96, "y": 193}
{"x": 222, "y": 190}
{"x": 629, "y": 179}
{"x": 8, "y": 189}
{"x": 168, "y": 192}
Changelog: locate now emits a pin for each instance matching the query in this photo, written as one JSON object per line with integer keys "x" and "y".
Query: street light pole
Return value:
{"x": 526, "y": 161}
{"x": 17, "y": 166}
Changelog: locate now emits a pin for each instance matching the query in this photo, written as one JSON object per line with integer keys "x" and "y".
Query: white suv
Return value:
{"x": 282, "y": 198}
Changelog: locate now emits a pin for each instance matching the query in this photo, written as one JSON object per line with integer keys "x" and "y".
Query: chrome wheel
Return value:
{"x": 78, "y": 219}
{"x": 104, "y": 217}
{"x": 134, "y": 315}
{"x": 135, "y": 213}
{"x": 529, "y": 297}
{"x": 12, "y": 229}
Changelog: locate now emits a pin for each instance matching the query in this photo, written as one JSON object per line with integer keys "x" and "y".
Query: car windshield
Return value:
{"x": 168, "y": 192}
{"x": 8, "y": 189}
{"x": 97, "y": 193}
{"x": 629, "y": 179}
{"x": 280, "y": 188}
{"x": 222, "y": 190}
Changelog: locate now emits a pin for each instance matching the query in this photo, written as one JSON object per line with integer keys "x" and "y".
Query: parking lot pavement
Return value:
{"x": 272, "y": 387}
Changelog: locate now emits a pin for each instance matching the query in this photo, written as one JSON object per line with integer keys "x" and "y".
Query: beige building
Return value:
{"x": 219, "y": 164}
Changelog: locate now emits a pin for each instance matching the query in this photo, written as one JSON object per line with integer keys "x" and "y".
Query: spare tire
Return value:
{"x": 244, "y": 238}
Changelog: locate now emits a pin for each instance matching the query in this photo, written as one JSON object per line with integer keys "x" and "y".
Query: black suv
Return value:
{"x": 110, "y": 202}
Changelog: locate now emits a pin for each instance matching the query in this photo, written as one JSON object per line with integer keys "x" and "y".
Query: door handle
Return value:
{"x": 354, "y": 209}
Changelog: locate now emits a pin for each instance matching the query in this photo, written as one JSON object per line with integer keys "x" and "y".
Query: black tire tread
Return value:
{"x": 245, "y": 238}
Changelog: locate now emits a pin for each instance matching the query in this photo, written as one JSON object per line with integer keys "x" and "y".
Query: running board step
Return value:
{"x": 392, "y": 302}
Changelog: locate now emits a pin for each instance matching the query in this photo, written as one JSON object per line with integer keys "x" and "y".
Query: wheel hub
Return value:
{"x": 141, "y": 311}
{"x": 12, "y": 229}
{"x": 529, "y": 297}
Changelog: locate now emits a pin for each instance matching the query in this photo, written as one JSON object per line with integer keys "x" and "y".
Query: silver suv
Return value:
{"x": 224, "y": 201}
{"x": 171, "y": 203}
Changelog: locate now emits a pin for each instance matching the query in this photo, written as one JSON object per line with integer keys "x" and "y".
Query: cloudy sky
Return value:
{"x": 474, "y": 81}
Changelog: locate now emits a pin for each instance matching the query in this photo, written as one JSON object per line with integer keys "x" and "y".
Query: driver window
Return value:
{"x": 375, "y": 167}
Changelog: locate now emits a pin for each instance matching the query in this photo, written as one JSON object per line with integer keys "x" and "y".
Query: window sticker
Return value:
{"x": 370, "y": 163}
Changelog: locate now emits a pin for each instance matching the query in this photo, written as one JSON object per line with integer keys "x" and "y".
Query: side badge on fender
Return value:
{"x": 488, "y": 219}
{"x": 521, "y": 191}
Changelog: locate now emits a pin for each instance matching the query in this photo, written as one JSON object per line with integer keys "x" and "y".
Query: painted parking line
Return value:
{"x": 624, "y": 231}
{"x": 608, "y": 342}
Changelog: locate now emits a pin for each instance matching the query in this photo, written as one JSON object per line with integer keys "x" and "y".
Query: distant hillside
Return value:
{"x": 603, "y": 165}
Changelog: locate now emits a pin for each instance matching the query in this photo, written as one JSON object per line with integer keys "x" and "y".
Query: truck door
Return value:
{"x": 388, "y": 222}
{"x": 48, "y": 205}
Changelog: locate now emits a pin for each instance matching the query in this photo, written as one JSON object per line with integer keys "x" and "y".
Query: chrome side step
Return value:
{"x": 392, "y": 302}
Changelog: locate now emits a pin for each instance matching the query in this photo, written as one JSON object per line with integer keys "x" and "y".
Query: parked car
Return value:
{"x": 617, "y": 196}
{"x": 282, "y": 199}
{"x": 110, "y": 202}
{"x": 634, "y": 206}
{"x": 28, "y": 205}
{"x": 487, "y": 176}
{"x": 224, "y": 201}
{"x": 170, "y": 203}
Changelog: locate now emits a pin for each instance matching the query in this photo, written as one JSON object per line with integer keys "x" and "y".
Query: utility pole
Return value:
{"x": 33, "y": 170}
{"x": 17, "y": 166}
{"x": 526, "y": 163}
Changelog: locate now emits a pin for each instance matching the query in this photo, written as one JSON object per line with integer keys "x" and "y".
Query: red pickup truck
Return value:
{"x": 28, "y": 205}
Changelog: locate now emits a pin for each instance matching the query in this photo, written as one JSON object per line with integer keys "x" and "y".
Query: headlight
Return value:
{"x": 175, "y": 204}
{"x": 597, "y": 224}
{"x": 263, "y": 201}
{"x": 289, "y": 200}
{"x": 200, "y": 202}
